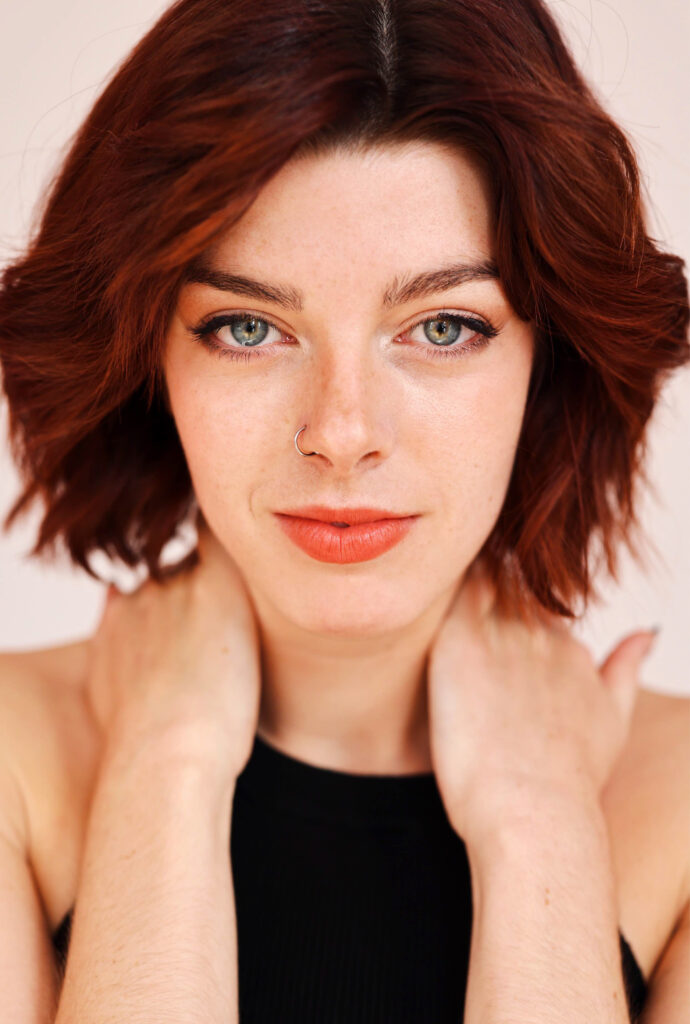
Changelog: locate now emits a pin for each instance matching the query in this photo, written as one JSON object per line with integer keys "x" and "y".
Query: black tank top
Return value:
{"x": 353, "y": 898}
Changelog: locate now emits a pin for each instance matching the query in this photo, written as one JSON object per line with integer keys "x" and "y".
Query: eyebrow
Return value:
{"x": 400, "y": 290}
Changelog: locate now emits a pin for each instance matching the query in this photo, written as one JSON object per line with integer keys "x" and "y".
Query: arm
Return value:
{"x": 28, "y": 978}
{"x": 154, "y": 931}
{"x": 525, "y": 731}
{"x": 545, "y": 944}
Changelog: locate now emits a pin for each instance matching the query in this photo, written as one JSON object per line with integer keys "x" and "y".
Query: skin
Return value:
{"x": 342, "y": 227}
{"x": 520, "y": 725}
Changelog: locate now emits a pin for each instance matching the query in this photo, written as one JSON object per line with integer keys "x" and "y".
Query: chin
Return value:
{"x": 352, "y": 615}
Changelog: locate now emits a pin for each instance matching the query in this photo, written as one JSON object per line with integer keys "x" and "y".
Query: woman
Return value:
{"x": 364, "y": 292}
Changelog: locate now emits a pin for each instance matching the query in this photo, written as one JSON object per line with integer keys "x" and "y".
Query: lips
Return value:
{"x": 359, "y": 542}
{"x": 344, "y": 516}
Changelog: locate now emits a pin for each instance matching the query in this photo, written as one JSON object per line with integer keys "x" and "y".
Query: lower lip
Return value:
{"x": 342, "y": 544}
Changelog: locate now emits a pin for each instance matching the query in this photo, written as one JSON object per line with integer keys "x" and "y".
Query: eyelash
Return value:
{"x": 204, "y": 334}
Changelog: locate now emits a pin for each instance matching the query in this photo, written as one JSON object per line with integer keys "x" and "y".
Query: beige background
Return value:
{"x": 54, "y": 58}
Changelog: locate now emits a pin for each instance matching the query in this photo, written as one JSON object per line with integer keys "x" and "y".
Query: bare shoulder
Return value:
{"x": 41, "y": 701}
{"x": 49, "y": 751}
{"x": 647, "y": 804}
{"x": 656, "y": 759}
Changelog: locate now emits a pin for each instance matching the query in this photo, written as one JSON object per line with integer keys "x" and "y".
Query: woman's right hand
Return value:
{"x": 180, "y": 661}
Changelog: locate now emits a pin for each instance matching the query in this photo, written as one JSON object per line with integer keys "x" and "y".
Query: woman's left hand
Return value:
{"x": 521, "y": 712}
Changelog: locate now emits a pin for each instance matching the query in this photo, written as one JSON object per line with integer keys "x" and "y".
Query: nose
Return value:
{"x": 347, "y": 412}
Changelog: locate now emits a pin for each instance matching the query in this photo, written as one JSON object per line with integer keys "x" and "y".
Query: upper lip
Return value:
{"x": 343, "y": 515}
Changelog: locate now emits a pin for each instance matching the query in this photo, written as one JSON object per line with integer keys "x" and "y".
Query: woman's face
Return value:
{"x": 409, "y": 409}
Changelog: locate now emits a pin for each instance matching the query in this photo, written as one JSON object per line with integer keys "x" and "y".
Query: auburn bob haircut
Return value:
{"x": 205, "y": 110}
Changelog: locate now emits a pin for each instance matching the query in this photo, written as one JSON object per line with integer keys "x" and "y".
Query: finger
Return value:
{"x": 620, "y": 671}
{"x": 477, "y": 589}
{"x": 554, "y": 622}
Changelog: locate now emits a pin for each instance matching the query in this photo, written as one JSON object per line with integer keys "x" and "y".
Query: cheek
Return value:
{"x": 476, "y": 451}
{"x": 222, "y": 441}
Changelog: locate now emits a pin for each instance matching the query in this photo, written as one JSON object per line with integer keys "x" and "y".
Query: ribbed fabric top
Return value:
{"x": 353, "y": 898}
{"x": 341, "y": 798}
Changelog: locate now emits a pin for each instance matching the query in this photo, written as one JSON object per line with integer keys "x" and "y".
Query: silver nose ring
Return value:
{"x": 298, "y": 447}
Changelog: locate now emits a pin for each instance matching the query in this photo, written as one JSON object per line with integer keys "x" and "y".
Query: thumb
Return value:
{"x": 620, "y": 670}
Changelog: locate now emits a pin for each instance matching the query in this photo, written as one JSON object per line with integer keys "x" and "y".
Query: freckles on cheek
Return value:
{"x": 476, "y": 446}
{"x": 225, "y": 445}
{"x": 220, "y": 435}
{"x": 205, "y": 425}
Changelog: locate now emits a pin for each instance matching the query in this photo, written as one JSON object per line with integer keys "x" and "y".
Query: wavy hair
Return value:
{"x": 210, "y": 104}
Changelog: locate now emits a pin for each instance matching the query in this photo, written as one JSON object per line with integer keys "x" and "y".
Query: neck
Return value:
{"x": 351, "y": 703}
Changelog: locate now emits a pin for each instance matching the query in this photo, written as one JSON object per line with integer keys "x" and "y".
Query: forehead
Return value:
{"x": 420, "y": 197}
